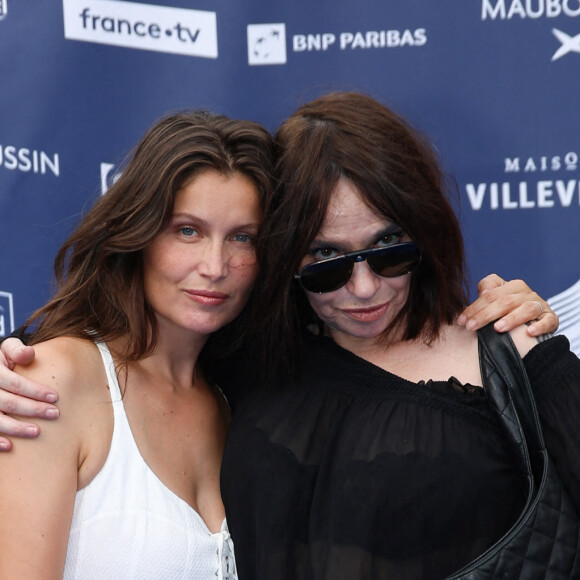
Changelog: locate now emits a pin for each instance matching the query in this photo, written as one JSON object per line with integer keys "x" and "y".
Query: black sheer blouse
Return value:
{"x": 357, "y": 473}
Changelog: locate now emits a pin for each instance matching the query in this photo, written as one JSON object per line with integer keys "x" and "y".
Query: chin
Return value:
{"x": 210, "y": 326}
{"x": 362, "y": 333}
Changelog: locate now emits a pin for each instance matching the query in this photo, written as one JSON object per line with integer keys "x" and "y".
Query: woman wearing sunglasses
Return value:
{"x": 345, "y": 281}
{"x": 380, "y": 457}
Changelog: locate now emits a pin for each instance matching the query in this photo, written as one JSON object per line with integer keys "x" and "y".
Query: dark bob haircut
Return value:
{"x": 352, "y": 136}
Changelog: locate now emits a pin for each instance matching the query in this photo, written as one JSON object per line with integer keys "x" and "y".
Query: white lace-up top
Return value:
{"x": 127, "y": 524}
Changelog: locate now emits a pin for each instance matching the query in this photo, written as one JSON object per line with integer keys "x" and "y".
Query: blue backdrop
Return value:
{"x": 494, "y": 83}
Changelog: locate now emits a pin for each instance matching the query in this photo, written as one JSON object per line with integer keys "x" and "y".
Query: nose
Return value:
{"x": 214, "y": 261}
{"x": 363, "y": 282}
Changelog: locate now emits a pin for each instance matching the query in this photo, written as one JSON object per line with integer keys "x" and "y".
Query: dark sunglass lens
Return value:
{"x": 398, "y": 260}
{"x": 326, "y": 276}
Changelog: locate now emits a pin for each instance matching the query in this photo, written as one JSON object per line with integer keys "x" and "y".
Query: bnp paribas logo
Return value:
{"x": 6, "y": 314}
{"x": 266, "y": 44}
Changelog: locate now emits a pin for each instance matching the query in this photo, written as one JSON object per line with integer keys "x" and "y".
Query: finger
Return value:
{"x": 494, "y": 302}
{"x": 547, "y": 324}
{"x": 17, "y": 405}
{"x": 516, "y": 287}
{"x": 500, "y": 301}
{"x": 16, "y": 353}
{"x": 494, "y": 289}
{"x": 535, "y": 311}
{"x": 524, "y": 313}
{"x": 489, "y": 282}
{"x": 5, "y": 444}
{"x": 15, "y": 428}
{"x": 14, "y": 383}
{"x": 502, "y": 308}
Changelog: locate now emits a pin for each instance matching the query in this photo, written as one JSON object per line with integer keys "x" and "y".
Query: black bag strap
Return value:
{"x": 545, "y": 539}
{"x": 508, "y": 387}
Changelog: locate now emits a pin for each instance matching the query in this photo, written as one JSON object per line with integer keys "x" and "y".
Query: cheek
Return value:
{"x": 400, "y": 285}
{"x": 244, "y": 271}
{"x": 162, "y": 266}
{"x": 149, "y": 267}
{"x": 244, "y": 261}
{"x": 322, "y": 304}
{"x": 244, "y": 264}
{"x": 396, "y": 289}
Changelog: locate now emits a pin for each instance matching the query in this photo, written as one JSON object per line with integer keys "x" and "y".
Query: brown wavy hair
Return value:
{"x": 99, "y": 268}
{"x": 353, "y": 136}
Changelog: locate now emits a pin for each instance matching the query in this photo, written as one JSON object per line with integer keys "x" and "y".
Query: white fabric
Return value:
{"x": 128, "y": 525}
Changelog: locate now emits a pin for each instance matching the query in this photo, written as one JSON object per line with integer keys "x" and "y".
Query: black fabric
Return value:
{"x": 545, "y": 540}
{"x": 18, "y": 333}
{"x": 357, "y": 473}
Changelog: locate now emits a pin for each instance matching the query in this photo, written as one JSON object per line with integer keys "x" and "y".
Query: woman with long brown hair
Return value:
{"x": 126, "y": 483}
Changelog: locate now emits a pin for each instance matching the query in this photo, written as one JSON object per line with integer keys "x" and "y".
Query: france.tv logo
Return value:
{"x": 142, "y": 26}
{"x": 6, "y": 314}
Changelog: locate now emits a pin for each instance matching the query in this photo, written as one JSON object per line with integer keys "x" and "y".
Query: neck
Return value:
{"x": 366, "y": 346}
{"x": 175, "y": 360}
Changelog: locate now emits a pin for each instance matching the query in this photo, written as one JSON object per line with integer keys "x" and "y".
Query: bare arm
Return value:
{"x": 514, "y": 303}
{"x": 38, "y": 486}
{"x": 32, "y": 393}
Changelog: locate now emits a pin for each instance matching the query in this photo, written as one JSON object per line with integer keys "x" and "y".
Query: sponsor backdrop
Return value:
{"x": 494, "y": 83}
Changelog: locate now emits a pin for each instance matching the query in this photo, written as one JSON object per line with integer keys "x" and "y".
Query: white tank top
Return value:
{"x": 128, "y": 525}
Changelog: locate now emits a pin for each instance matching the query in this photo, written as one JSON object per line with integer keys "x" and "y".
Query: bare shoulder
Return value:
{"x": 457, "y": 341}
{"x": 64, "y": 363}
{"x": 65, "y": 347}
{"x": 458, "y": 355}
{"x": 453, "y": 353}
{"x": 74, "y": 368}
{"x": 523, "y": 341}
{"x": 455, "y": 335}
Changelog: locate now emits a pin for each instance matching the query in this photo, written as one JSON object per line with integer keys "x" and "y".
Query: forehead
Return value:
{"x": 209, "y": 190}
{"x": 349, "y": 216}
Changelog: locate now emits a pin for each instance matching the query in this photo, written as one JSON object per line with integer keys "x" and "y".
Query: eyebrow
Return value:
{"x": 323, "y": 242}
{"x": 205, "y": 223}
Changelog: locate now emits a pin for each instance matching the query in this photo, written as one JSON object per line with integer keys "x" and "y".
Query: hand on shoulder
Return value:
{"x": 72, "y": 367}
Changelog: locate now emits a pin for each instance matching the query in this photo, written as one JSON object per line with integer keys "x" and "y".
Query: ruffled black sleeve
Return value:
{"x": 554, "y": 373}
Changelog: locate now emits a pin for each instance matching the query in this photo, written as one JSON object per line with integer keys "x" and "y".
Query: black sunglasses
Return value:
{"x": 332, "y": 274}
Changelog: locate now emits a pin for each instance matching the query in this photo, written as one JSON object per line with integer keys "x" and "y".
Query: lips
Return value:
{"x": 207, "y": 297}
{"x": 370, "y": 314}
